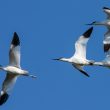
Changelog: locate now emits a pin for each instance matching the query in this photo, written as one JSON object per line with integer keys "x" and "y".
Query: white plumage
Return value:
{"x": 78, "y": 60}
{"x": 13, "y": 69}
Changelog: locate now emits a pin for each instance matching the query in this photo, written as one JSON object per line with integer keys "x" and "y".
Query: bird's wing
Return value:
{"x": 80, "y": 68}
{"x": 14, "y": 53}
{"x": 80, "y": 45}
{"x": 107, "y": 51}
{"x": 7, "y": 86}
{"x": 107, "y": 11}
{"x": 107, "y": 36}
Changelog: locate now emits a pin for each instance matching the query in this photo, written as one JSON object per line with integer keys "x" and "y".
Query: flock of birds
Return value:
{"x": 78, "y": 60}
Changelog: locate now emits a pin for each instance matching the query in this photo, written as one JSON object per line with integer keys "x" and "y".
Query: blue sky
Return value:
{"x": 48, "y": 29}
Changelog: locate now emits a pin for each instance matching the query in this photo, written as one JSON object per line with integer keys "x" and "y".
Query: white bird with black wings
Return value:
{"x": 78, "y": 60}
{"x": 13, "y": 69}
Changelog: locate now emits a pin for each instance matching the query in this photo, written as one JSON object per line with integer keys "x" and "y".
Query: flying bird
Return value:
{"x": 106, "y": 61}
{"x": 106, "y": 41}
{"x": 104, "y": 23}
{"x": 13, "y": 69}
{"x": 78, "y": 60}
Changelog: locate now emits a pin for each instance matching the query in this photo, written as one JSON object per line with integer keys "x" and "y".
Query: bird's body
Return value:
{"x": 78, "y": 60}
{"x": 13, "y": 69}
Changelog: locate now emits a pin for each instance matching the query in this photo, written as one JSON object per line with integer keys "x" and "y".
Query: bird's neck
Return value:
{"x": 65, "y": 59}
{"x": 102, "y": 23}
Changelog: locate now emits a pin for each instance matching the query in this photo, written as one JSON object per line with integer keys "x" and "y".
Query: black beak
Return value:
{"x": 56, "y": 59}
{"x": 91, "y": 23}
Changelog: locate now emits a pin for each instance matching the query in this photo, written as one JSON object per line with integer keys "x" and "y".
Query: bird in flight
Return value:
{"x": 106, "y": 41}
{"x": 13, "y": 69}
{"x": 78, "y": 60}
{"x": 104, "y": 23}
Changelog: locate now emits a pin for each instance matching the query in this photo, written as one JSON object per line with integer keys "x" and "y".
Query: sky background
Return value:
{"x": 48, "y": 29}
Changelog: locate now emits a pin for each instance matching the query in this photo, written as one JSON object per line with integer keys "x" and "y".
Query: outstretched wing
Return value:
{"x": 14, "y": 53}
{"x": 80, "y": 68}
{"x": 80, "y": 45}
{"x": 7, "y": 87}
{"x": 107, "y": 11}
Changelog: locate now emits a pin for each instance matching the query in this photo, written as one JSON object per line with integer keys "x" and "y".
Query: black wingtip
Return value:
{"x": 106, "y": 47}
{"x": 106, "y": 8}
{"x": 15, "y": 40}
{"x": 3, "y": 98}
{"x": 84, "y": 73}
{"x": 88, "y": 32}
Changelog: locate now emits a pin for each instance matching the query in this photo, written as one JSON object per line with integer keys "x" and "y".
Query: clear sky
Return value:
{"x": 48, "y": 29}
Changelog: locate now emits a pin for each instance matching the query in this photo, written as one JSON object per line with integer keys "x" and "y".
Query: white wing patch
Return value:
{"x": 14, "y": 56}
{"x": 80, "y": 45}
